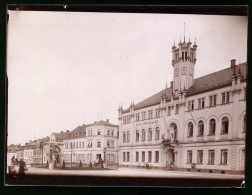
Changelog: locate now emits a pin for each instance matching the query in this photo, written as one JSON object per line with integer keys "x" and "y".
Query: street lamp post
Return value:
{"x": 104, "y": 150}
{"x": 42, "y": 154}
{"x": 71, "y": 157}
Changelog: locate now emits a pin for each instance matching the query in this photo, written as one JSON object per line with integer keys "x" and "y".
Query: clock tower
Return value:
{"x": 183, "y": 61}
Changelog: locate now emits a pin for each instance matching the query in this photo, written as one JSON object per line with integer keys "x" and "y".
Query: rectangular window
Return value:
{"x": 108, "y": 132}
{"x": 223, "y": 98}
{"x": 137, "y": 156}
{"x": 157, "y": 113}
{"x": 108, "y": 143}
{"x": 76, "y": 144}
{"x": 90, "y": 144}
{"x": 128, "y": 156}
{"x": 124, "y": 156}
{"x": 143, "y": 115}
{"x": 200, "y": 157}
{"x": 99, "y": 132}
{"x": 112, "y": 157}
{"x": 215, "y": 100}
{"x": 189, "y": 156}
{"x": 227, "y": 100}
{"x": 211, "y": 157}
{"x": 177, "y": 109}
{"x": 112, "y": 144}
{"x": 203, "y": 103}
{"x": 199, "y": 103}
{"x": 157, "y": 156}
{"x": 149, "y": 156}
{"x": 191, "y": 105}
{"x": 150, "y": 112}
{"x": 224, "y": 156}
{"x": 143, "y": 156}
{"x": 169, "y": 111}
{"x": 137, "y": 117}
{"x": 82, "y": 144}
{"x": 98, "y": 144}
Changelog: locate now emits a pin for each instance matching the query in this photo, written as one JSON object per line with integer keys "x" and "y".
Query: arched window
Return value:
{"x": 137, "y": 136}
{"x": 157, "y": 132}
{"x": 201, "y": 128}
{"x": 244, "y": 123}
{"x": 128, "y": 136}
{"x": 150, "y": 134}
{"x": 212, "y": 126}
{"x": 143, "y": 135}
{"x": 124, "y": 137}
{"x": 190, "y": 129}
{"x": 224, "y": 128}
{"x": 175, "y": 132}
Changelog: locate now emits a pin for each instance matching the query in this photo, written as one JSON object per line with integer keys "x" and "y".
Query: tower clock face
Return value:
{"x": 176, "y": 72}
{"x": 184, "y": 70}
{"x": 191, "y": 71}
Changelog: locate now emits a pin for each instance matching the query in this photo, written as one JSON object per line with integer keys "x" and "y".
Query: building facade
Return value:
{"x": 89, "y": 143}
{"x": 194, "y": 125}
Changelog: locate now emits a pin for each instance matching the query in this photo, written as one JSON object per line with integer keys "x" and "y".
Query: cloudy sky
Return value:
{"x": 69, "y": 69}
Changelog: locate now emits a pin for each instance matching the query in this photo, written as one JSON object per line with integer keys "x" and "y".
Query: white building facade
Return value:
{"x": 89, "y": 143}
{"x": 195, "y": 125}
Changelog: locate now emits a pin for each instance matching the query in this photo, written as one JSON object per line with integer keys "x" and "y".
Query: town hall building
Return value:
{"x": 196, "y": 124}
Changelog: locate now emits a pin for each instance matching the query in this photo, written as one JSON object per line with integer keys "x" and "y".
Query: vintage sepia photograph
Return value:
{"x": 126, "y": 99}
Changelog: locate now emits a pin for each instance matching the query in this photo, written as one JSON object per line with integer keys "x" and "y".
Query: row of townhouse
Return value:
{"x": 86, "y": 143}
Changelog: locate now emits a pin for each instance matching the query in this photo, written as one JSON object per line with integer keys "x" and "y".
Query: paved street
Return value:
{"x": 126, "y": 172}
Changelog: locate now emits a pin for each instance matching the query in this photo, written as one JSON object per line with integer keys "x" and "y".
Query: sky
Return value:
{"x": 66, "y": 69}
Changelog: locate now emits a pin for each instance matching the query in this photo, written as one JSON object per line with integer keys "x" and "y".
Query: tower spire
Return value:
{"x": 184, "y": 32}
{"x": 166, "y": 85}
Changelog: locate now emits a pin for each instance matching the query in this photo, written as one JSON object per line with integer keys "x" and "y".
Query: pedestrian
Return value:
{"x": 21, "y": 167}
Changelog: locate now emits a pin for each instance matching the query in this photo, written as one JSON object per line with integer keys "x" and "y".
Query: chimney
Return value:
{"x": 233, "y": 63}
{"x": 67, "y": 131}
{"x": 107, "y": 120}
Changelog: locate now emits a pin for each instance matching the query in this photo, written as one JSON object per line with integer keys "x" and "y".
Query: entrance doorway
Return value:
{"x": 169, "y": 158}
{"x": 98, "y": 156}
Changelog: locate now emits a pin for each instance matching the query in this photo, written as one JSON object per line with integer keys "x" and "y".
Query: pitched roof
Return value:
{"x": 78, "y": 132}
{"x": 101, "y": 122}
{"x": 202, "y": 84}
{"x": 216, "y": 80}
{"x": 60, "y": 135}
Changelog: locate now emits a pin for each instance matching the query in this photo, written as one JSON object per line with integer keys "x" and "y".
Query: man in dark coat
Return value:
{"x": 21, "y": 167}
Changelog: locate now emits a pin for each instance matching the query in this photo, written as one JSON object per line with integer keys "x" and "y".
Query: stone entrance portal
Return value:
{"x": 169, "y": 158}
